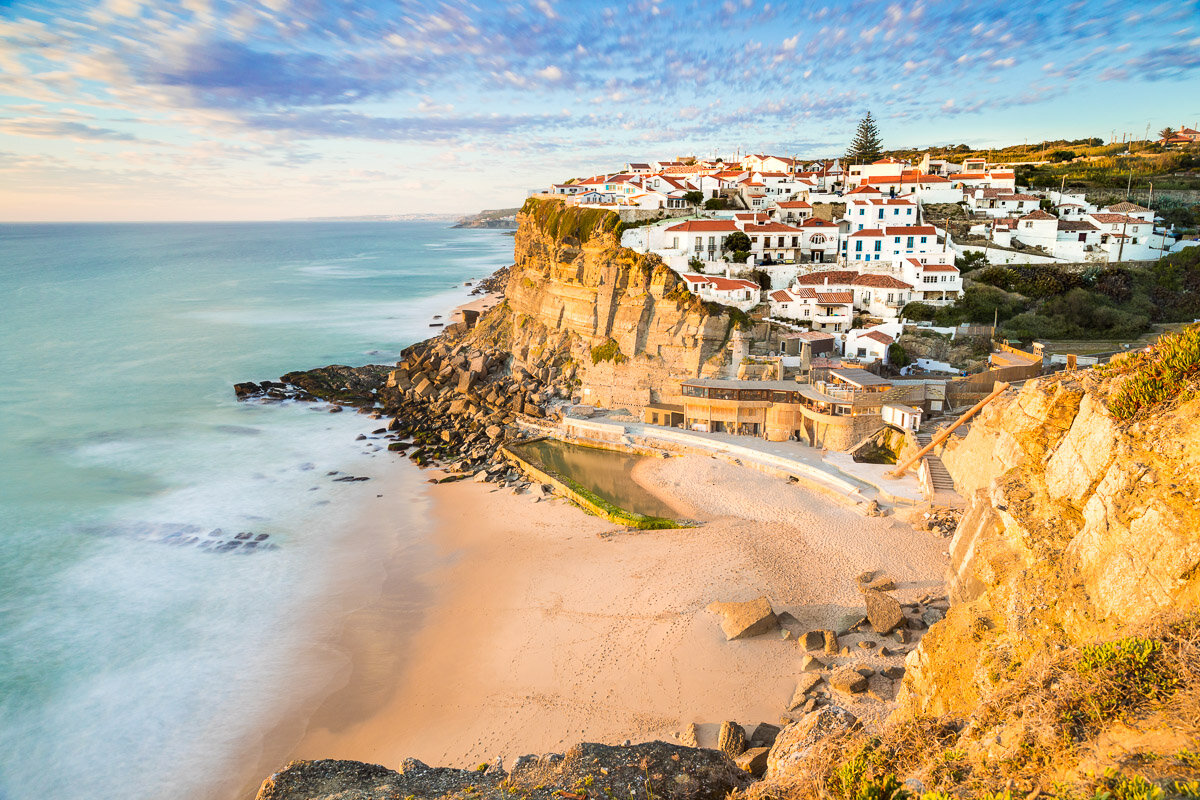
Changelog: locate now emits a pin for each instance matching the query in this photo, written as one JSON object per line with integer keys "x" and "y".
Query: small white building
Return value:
{"x": 890, "y": 243}
{"x": 1000, "y": 202}
{"x": 831, "y": 311}
{"x": 740, "y": 294}
{"x": 902, "y": 416}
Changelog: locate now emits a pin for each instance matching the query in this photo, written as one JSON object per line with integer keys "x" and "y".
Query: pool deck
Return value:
{"x": 834, "y": 472}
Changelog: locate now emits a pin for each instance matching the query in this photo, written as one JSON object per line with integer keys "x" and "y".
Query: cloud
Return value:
{"x": 63, "y": 129}
{"x": 350, "y": 125}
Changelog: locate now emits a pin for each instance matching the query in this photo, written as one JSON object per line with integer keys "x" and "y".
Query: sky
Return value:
{"x": 276, "y": 109}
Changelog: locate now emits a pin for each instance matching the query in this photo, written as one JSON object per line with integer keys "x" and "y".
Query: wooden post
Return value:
{"x": 941, "y": 437}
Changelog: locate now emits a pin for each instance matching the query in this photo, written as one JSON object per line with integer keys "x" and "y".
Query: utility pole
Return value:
{"x": 1150, "y": 197}
{"x": 1129, "y": 184}
{"x": 1121, "y": 247}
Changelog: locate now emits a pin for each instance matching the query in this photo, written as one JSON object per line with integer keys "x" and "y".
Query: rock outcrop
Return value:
{"x": 623, "y": 318}
{"x": 1078, "y": 527}
{"x": 652, "y": 769}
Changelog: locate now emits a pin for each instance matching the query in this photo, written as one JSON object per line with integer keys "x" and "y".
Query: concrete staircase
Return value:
{"x": 942, "y": 484}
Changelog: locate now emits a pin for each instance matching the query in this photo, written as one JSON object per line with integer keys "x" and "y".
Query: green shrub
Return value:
{"x": 609, "y": 351}
{"x": 1166, "y": 372}
{"x": 1119, "y": 677}
{"x": 882, "y": 789}
{"x": 919, "y": 312}
{"x": 716, "y": 203}
{"x": 1116, "y": 786}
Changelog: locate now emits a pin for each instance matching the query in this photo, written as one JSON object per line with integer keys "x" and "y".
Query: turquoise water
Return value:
{"x": 132, "y": 668}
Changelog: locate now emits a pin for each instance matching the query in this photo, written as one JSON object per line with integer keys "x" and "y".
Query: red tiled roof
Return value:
{"x": 772, "y": 227}
{"x": 1039, "y": 214}
{"x": 939, "y": 267}
{"x": 816, "y": 222}
{"x": 1124, "y": 207}
{"x": 1116, "y": 219}
{"x": 1075, "y": 225}
{"x": 731, "y": 284}
{"x": 835, "y": 277}
{"x": 834, "y": 298}
{"x": 793, "y": 204}
{"x": 781, "y": 296}
{"x": 878, "y": 336}
{"x": 713, "y": 225}
{"x": 880, "y": 282}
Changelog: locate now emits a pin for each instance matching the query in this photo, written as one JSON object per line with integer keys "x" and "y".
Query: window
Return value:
{"x": 780, "y": 242}
{"x": 806, "y": 311}
{"x": 878, "y": 246}
{"x": 795, "y": 241}
{"x": 699, "y": 243}
{"x": 910, "y": 243}
{"x": 675, "y": 243}
{"x": 908, "y": 211}
{"x": 858, "y": 246}
{"x": 897, "y": 240}
{"x": 817, "y": 239}
{"x": 862, "y": 211}
{"x": 923, "y": 239}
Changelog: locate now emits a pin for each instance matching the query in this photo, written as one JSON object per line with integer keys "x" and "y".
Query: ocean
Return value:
{"x": 133, "y": 666}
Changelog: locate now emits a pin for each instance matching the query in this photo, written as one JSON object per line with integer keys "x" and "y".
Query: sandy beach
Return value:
{"x": 546, "y": 626}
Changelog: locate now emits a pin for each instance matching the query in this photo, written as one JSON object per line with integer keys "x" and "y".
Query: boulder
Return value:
{"x": 764, "y": 735}
{"x": 796, "y": 741}
{"x": 810, "y": 664}
{"x": 880, "y": 688}
{"x": 731, "y": 740}
{"x": 804, "y": 684}
{"x": 754, "y": 761}
{"x": 932, "y": 616}
{"x": 674, "y": 773}
{"x": 690, "y": 736}
{"x": 883, "y": 611}
{"x": 813, "y": 640}
{"x": 847, "y": 681}
{"x": 743, "y": 620}
{"x": 831, "y": 643}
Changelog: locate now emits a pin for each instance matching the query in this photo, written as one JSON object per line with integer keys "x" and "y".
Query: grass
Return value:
{"x": 1168, "y": 371}
{"x": 1043, "y": 719}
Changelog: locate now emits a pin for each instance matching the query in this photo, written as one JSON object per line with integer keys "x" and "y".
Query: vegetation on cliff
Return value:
{"x": 1047, "y": 301}
{"x": 1051, "y": 727}
{"x": 1169, "y": 371}
{"x": 555, "y": 218}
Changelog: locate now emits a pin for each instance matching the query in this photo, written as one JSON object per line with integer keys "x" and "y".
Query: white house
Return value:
{"x": 989, "y": 179}
{"x": 890, "y": 243}
{"x": 1130, "y": 210}
{"x": 902, "y": 416}
{"x": 868, "y": 344}
{"x": 1127, "y": 238}
{"x": 698, "y": 238}
{"x": 866, "y": 211}
{"x": 935, "y": 281}
{"x": 792, "y": 210}
{"x": 775, "y": 241}
{"x": 741, "y": 294}
{"x": 1000, "y": 202}
{"x": 831, "y": 311}
{"x": 820, "y": 240}
{"x": 881, "y": 295}
{"x": 883, "y": 168}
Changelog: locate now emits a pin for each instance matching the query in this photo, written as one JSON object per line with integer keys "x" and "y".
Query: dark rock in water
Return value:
{"x": 247, "y": 389}
{"x": 215, "y": 540}
{"x": 351, "y": 479}
{"x": 240, "y": 430}
{"x": 338, "y": 383}
{"x": 335, "y": 409}
{"x": 663, "y": 771}
{"x": 360, "y": 437}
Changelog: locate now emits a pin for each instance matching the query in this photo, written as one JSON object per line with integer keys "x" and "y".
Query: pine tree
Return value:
{"x": 867, "y": 145}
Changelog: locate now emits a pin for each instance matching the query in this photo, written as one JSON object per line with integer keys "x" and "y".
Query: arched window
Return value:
{"x": 818, "y": 239}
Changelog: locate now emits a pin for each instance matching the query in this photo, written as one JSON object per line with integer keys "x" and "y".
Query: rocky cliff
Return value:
{"x": 1068, "y": 662}
{"x": 623, "y": 319}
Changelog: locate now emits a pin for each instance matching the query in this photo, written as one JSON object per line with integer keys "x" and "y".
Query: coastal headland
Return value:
{"x": 550, "y": 627}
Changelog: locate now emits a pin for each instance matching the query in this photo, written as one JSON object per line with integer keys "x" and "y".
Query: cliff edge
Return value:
{"x": 624, "y": 320}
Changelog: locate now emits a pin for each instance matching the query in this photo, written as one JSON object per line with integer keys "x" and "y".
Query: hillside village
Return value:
{"x": 823, "y": 259}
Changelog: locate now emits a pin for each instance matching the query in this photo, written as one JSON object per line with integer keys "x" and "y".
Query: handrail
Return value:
{"x": 941, "y": 437}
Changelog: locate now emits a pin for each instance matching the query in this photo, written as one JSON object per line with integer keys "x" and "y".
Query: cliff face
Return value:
{"x": 1079, "y": 527}
{"x": 623, "y": 319}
